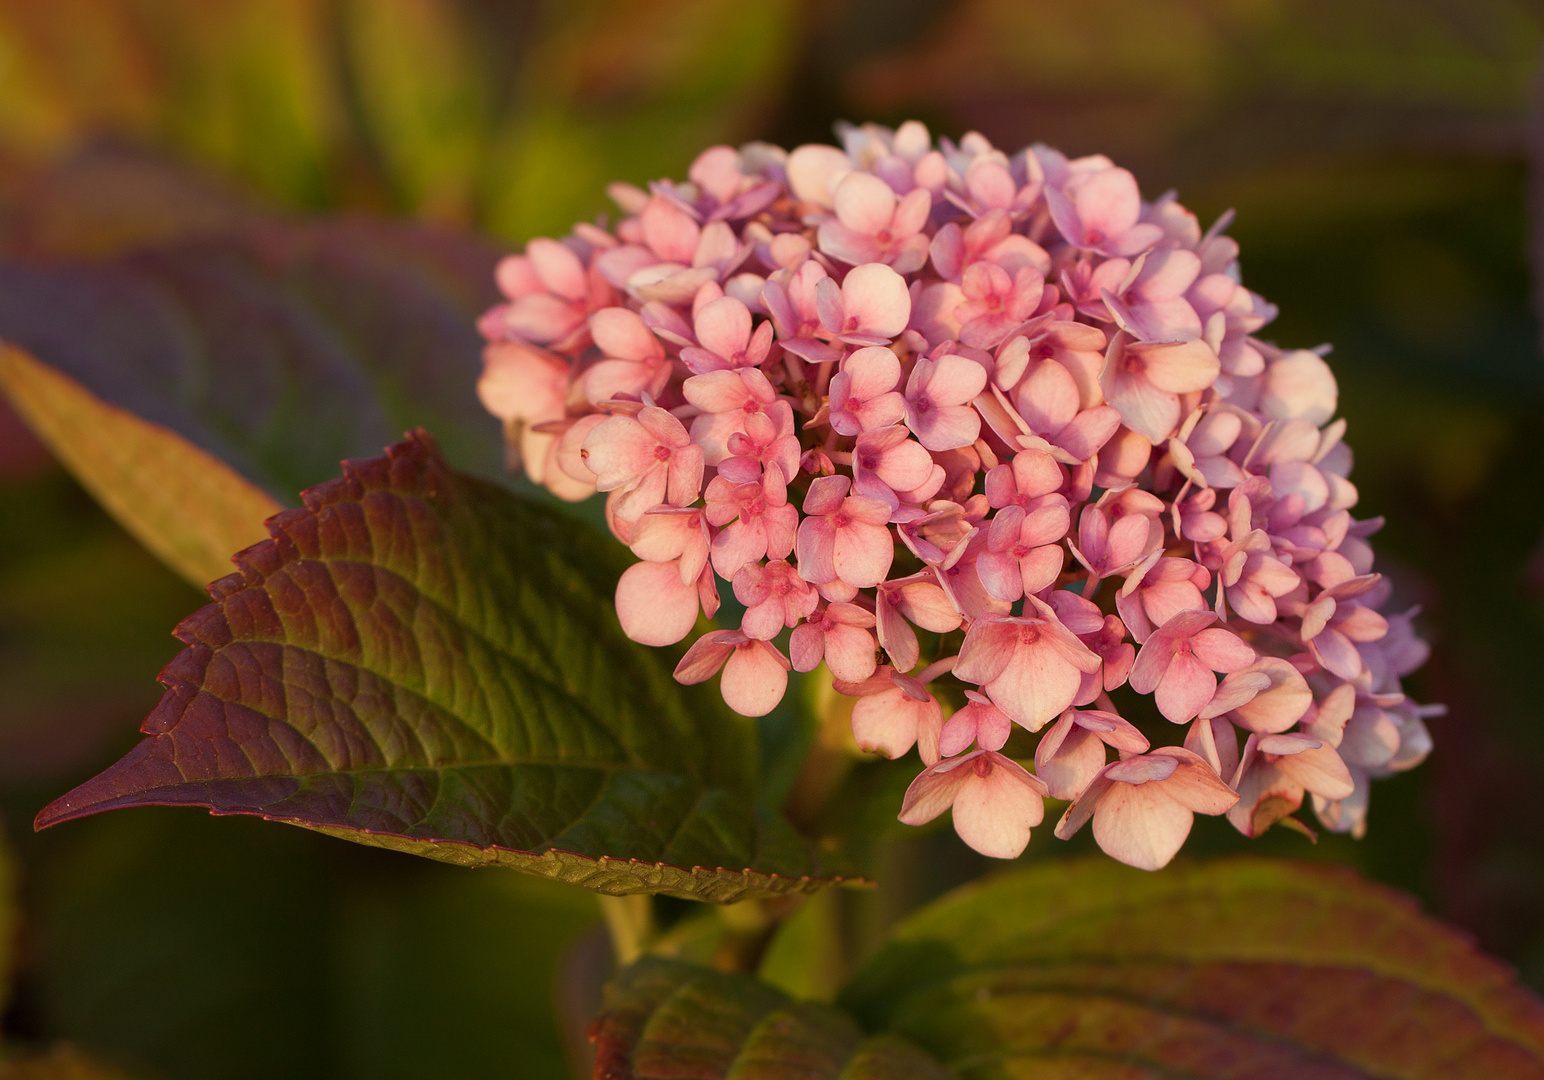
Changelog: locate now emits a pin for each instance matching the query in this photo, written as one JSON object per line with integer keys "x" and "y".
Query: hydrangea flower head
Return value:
{"x": 993, "y": 442}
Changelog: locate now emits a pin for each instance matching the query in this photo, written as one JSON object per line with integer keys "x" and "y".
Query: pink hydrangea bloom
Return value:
{"x": 1143, "y": 807}
{"x": 1176, "y": 664}
{"x": 938, "y": 397}
{"x": 893, "y": 712}
{"x": 875, "y": 387}
{"x": 872, "y": 225}
{"x": 995, "y": 801}
{"x": 838, "y": 634}
{"x": 864, "y": 393}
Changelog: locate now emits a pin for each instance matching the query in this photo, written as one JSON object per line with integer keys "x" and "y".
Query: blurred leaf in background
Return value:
{"x": 1375, "y": 152}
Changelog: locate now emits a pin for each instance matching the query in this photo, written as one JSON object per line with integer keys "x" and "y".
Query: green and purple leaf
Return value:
{"x": 1083, "y": 968}
{"x": 1257, "y": 968}
{"x": 421, "y": 661}
{"x": 666, "y": 1019}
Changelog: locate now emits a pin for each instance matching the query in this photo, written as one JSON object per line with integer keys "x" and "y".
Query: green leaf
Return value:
{"x": 1242, "y": 968}
{"x": 1089, "y": 969}
{"x": 421, "y": 661}
{"x": 666, "y": 1019}
{"x": 187, "y": 506}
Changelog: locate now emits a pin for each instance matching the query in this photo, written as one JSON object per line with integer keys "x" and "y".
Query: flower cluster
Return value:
{"x": 1000, "y": 400}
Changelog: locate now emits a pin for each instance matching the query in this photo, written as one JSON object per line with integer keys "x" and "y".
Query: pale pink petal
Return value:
{"x": 1000, "y": 576}
{"x": 1086, "y": 435}
{"x": 618, "y": 451}
{"x": 1158, "y": 650}
{"x": 989, "y": 646}
{"x": 516, "y": 276}
{"x": 1068, "y": 764}
{"x": 621, "y": 334}
{"x": 994, "y": 813}
{"x": 873, "y": 370}
{"x": 669, "y": 231}
{"x": 616, "y": 378}
{"x": 816, "y": 547}
{"x": 1177, "y": 367}
{"x": 1108, "y": 203}
{"x": 558, "y": 268}
{"x": 1320, "y": 770}
{"x": 1152, "y": 768}
{"x": 1237, "y": 689}
{"x": 1140, "y": 825}
{"x": 685, "y": 476}
{"x": 1222, "y": 650}
{"x": 1048, "y": 398}
{"x": 910, "y": 217}
{"x": 885, "y": 722}
{"x": 826, "y": 495}
{"x": 944, "y": 428}
{"x": 955, "y": 380}
{"x": 806, "y": 646}
{"x": 862, "y": 553}
{"x": 811, "y": 168}
{"x": 1114, "y": 730}
{"x": 717, "y": 171}
{"x": 521, "y": 382}
{"x": 1187, "y": 686}
{"x": 864, "y": 202}
{"x": 653, "y": 605}
{"x": 755, "y": 679}
{"x": 875, "y": 300}
{"x": 1194, "y": 785}
{"x": 724, "y": 326}
{"x": 1281, "y": 704}
{"x": 1036, "y": 686}
{"x": 1127, "y": 540}
{"x": 716, "y": 248}
{"x": 706, "y": 656}
{"x": 932, "y": 792}
{"x": 716, "y": 391}
{"x": 851, "y": 246}
{"x": 1040, "y": 568}
{"x": 1148, "y": 411}
{"x": 850, "y": 653}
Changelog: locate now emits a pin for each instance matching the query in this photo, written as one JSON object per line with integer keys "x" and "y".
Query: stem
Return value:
{"x": 823, "y": 378}
{"x": 748, "y": 929}
{"x": 630, "y": 922}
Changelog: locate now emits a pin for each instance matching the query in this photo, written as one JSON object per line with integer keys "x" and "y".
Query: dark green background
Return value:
{"x": 1377, "y": 154}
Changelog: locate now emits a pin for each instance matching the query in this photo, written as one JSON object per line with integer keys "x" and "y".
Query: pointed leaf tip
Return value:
{"x": 421, "y": 661}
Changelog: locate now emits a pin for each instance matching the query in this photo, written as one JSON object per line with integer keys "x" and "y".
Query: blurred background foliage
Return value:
{"x": 1377, "y": 152}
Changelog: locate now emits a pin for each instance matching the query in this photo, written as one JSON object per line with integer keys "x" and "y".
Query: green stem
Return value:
{"x": 630, "y": 922}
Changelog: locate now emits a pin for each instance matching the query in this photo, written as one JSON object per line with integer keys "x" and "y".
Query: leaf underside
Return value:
{"x": 421, "y": 661}
{"x": 1248, "y": 969}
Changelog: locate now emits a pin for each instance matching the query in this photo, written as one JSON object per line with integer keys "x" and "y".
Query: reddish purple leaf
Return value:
{"x": 421, "y": 661}
{"x": 279, "y": 346}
